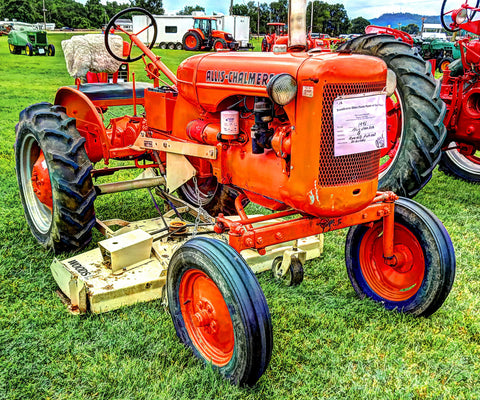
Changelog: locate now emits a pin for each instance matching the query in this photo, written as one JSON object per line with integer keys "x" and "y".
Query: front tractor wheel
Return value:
{"x": 219, "y": 310}
{"x": 53, "y": 173}
{"x": 192, "y": 41}
{"x": 51, "y": 50}
{"x": 415, "y": 132}
{"x": 29, "y": 50}
{"x": 219, "y": 44}
{"x": 424, "y": 269}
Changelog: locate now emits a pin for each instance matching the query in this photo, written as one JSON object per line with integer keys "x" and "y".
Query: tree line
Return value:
{"x": 327, "y": 18}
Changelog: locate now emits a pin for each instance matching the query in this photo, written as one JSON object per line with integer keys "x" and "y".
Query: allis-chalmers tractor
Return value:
{"x": 297, "y": 133}
{"x": 205, "y": 36}
{"x": 461, "y": 92}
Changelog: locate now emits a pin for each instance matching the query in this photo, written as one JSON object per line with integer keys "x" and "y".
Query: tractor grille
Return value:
{"x": 41, "y": 38}
{"x": 352, "y": 168}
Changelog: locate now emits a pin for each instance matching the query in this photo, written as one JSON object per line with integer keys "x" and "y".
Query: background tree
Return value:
{"x": 154, "y": 6}
{"x": 358, "y": 25}
{"x": 21, "y": 10}
{"x": 412, "y": 29}
{"x": 278, "y": 11}
{"x": 189, "y": 9}
{"x": 338, "y": 22}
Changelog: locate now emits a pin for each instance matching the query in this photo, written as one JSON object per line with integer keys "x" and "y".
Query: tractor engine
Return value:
{"x": 281, "y": 149}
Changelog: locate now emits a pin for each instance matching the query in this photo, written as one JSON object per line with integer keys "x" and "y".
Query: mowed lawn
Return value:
{"x": 327, "y": 342}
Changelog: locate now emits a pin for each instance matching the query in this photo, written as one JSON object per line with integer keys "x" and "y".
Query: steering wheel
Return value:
{"x": 443, "y": 14}
{"x": 112, "y": 24}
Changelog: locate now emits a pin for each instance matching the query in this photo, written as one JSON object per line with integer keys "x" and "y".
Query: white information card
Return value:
{"x": 359, "y": 123}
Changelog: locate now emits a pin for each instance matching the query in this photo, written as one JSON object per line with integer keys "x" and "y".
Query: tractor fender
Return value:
{"x": 88, "y": 121}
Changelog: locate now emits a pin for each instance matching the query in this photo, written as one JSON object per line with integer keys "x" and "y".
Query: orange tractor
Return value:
{"x": 298, "y": 133}
{"x": 205, "y": 36}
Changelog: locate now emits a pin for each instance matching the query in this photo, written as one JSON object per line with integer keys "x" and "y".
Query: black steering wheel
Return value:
{"x": 443, "y": 14}
{"x": 112, "y": 24}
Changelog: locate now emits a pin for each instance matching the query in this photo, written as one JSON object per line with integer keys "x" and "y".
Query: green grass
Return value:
{"x": 327, "y": 342}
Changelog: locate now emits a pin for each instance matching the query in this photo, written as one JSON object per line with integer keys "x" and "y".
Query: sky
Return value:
{"x": 355, "y": 8}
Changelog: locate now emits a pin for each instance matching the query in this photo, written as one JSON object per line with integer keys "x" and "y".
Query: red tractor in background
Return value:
{"x": 461, "y": 92}
{"x": 293, "y": 132}
{"x": 205, "y": 36}
{"x": 279, "y": 38}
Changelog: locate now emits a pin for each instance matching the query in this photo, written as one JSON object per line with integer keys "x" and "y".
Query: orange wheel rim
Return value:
{"x": 191, "y": 41}
{"x": 206, "y": 317}
{"x": 402, "y": 281}
{"x": 218, "y": 45}
{"x": 394, "y": 131}
{"x": 42, "y": 186}
{"x": 444, "y": 65}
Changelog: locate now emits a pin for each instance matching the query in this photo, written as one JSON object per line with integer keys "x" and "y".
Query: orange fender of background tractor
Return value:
{"x": 89, "y": 122}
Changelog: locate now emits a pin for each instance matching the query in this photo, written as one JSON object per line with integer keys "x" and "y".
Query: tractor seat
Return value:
{"x": 114, "y": 93}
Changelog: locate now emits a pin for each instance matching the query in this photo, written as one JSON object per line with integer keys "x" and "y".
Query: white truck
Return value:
{"x": 433, "y": 31}
{"x": 171, "y": 29}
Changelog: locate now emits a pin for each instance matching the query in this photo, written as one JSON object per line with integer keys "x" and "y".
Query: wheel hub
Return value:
{"x": 207, "y": 317}
{"x": 42, "y": 187}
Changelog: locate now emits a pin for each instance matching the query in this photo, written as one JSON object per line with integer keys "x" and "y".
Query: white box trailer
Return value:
{"x": 171, "y": 28}
{"x": 238, "y": 26}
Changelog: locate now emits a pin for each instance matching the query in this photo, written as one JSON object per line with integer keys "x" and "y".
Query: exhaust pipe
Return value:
{"x": 297, "y": 25}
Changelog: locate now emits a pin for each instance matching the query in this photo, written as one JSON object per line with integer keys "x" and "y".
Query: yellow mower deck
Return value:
{"x": 130, "y": 267}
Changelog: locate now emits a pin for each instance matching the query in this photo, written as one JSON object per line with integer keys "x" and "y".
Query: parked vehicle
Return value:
{"x": 273, "y": 129}
{"x": 172, "y": 28}
{"x": 205, "y": 36}
{"x": 33, "y": 42}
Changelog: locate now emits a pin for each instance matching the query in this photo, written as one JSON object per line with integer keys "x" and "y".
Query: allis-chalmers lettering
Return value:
{"x": 239, "y": 77}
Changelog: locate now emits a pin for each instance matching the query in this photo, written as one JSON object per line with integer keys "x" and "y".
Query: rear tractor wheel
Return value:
{"x": 219, "y": 310}
{"x": 466, "y": 167}
{"x": 423, "y": 275}
{"x": 192, "y": 41}
{"x": 53, "y": 173}
{"x": 415, "y": 132}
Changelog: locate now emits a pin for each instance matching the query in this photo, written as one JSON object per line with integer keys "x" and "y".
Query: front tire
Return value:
{"x": 219, "y": 44}
{"x": 425, "y": 270}
{"x": 53, "y": 173}
{"x": 29, "y": 50}
{"x": 51, "y": 50}
{"x": 219, "y": 310}
{"x": 415, "y": 129}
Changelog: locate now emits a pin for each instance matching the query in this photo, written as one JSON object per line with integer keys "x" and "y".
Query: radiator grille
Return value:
{"x": 41, "y": 38}
{"x": 352, "y": 168}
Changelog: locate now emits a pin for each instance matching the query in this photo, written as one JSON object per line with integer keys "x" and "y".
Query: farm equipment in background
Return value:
{"x": 461, "y": 92}
{"x": 205, "y": 36}
{"x": 278, "y": 130}
{"x": 32, "y": 41}
{"x": 440, "y": 50}
{"x": 277, "y": 40}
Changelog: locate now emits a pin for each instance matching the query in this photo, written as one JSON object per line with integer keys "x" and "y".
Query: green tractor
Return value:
{"x": 438, "y": 49}
{"x": 34, "y": 42}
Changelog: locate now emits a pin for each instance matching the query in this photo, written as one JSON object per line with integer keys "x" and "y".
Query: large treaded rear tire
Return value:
{"x": 67, "y": 226}
{"x": 192, "y": 41}
{"x": 423, "y": 132}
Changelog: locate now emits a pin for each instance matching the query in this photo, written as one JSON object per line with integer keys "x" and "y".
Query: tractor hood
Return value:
{"x": 207, "y": 79}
